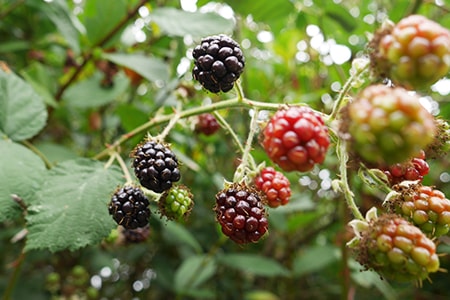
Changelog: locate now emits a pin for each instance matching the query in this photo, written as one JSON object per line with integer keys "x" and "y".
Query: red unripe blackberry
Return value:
{"x": 424, "y": 206}
{"x": 129, "y": 207}
{"x": 218, "y": 63}
{"x": 275, "y": 185}
{"x": 241, "y": 214}
{"x": 207, "y": 124}
{"x": 411, "y": 170}
{"x": 388, "y": 125}
{"x": 155, "y": 165}
{"x": 414, "y": 53}
{"x": 396, "y": 249}
{"x": 296, "y": 138}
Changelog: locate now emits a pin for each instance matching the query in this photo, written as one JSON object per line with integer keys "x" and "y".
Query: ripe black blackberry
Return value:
{"x": 240, "y": 212}
{"x": 218, "y": 63}
{"x": 155, "y": 165}
{"x": 129, "y": 207}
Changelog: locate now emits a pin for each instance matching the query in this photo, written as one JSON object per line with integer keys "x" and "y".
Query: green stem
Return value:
{"x": 232, "y": 103}
{"x": 15, "y": 275}
{"x": 33, "y": 148}
{"x": 124, "y": 168}
{"x": 341, "y": 97}
{"x": 341, "y": 151}
{"x": 239, "y": 90}
{"x": 173, "y": 121}
{"x": 247, "y": 159}
{"x": 378, "y": 181}
{"x": 225, "y": 125}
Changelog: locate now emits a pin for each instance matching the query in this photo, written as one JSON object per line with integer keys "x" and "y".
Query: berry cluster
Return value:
{"x": 274, "y": 185}
{"x": 296, "y": 138}
{"x": 414, "y": 53}
{"x": 155, "y": 165}
{"x": 388, "y": 125}
{"x": 424, "y": 206}
{"x": 395, "y": 248}
{"x": 414, "y": 169}
{"x": 176, "y": 203}
{"x": 129, "y": 207}
{"x": 218, "y": 63}
{"x": 241, "y": 214}
{"x": 207, "y": 124}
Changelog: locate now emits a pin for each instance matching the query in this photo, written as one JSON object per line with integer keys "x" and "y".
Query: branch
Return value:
{"x": 88, "y": 56}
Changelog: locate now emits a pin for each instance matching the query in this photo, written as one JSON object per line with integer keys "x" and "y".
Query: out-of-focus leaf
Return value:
{"x": 60, "y": 14}
{"x": 177, "y": 234}
{"x": 38, "y": 76}
{"x": 151, "y": 68}
{"x": 260, "y": 295}
{"x": 314, "y": 258}
{"x": 101, "y": 16}
{"x": 254, "y": 264}
{"x": 21, "y": 173}
{"x": 175, "y": 22}
{"x": 340, "y": 15}
{"x": 194, "y": 271}
{"x": 22, "y": 111}
{"x": 90, "y": 93}
{"x": 56, "y": 153}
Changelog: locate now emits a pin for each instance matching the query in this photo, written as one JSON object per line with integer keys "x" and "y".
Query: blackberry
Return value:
{"x": 207, "y": 124}
{"x": 155, "y": 165}
{"x": 129, "y": 207}
{"x": 176, "y": 203}
{"x": 241, "y": 214}
{"x": 275, "y": 185}
{"x": 413, "y": 169}
{"x": 137, "y": 235}
{"x": 218, "y": 63}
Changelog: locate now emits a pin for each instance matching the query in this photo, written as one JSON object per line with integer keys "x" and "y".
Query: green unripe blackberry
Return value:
{"x": 176, "y": 203}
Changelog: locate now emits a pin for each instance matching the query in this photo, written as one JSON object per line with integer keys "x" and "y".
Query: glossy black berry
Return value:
{"x": 137, "y": 235}
{"x": 129, "y": 207}
{"x": 155, "y": 165}
{"x": 240, "y": 212}
{"x": 218, "y": 63}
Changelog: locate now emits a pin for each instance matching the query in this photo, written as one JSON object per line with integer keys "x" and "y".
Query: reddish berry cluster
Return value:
{"x": 413, "y": 169}
{"x": 397, "y": 250}
{"x": 241, "y": 214}
{"x": 275, "y": 186}
{"x": 207, "y": 124}
{"x": 424, "y": 206}
{"x": 415, "y": 52}
{"x": 296, "y": 139}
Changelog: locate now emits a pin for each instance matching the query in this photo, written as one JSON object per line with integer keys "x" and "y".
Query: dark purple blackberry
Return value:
{"x": 137, "y": 235}
{"x": 218, "y": 63}
{"x": 129, "y": 207}
{"x": 155, "y": 165}
{"x": 241, "y": 214}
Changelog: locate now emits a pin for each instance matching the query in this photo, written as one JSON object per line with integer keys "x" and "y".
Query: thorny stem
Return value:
{"x": 230, "y": 130}
{"x": 240, "y": 92}
{"x": 342, "y": 94}
{"x": 157, "y": 120}
{"x": 341, "y": 151}
{"x": 241, "y": 170}
{"x": 124, "y": 168}
{"x": 379, "y": 182}
{"x": 88, "y": 56}
{"x": 173, "y": 121}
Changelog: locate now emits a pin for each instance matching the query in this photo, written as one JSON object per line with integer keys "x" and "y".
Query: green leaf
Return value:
{"x": 60, "y": 14}
{"x": 179, "y": 235}
{"x": 342, "y": 16}
{"x": 150, "y": 68}
{"x": 89, "y": 93}
{"x": 254, "y": 264}
{"x": 100, "y": 17}
{"x": 38, "y": 76}
{"x": 194, "y": 271}
{"x": 70, "y": 210}
{"x": 314, "y": 258}
{"x": 56, "y": 153}
{"x": 175, "y": 22}
{"x": 22, "y": 111}
{"x": 21, "y": 173}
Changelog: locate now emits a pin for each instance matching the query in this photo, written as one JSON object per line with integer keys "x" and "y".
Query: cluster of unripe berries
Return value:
{"x": 385, "y": 127}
